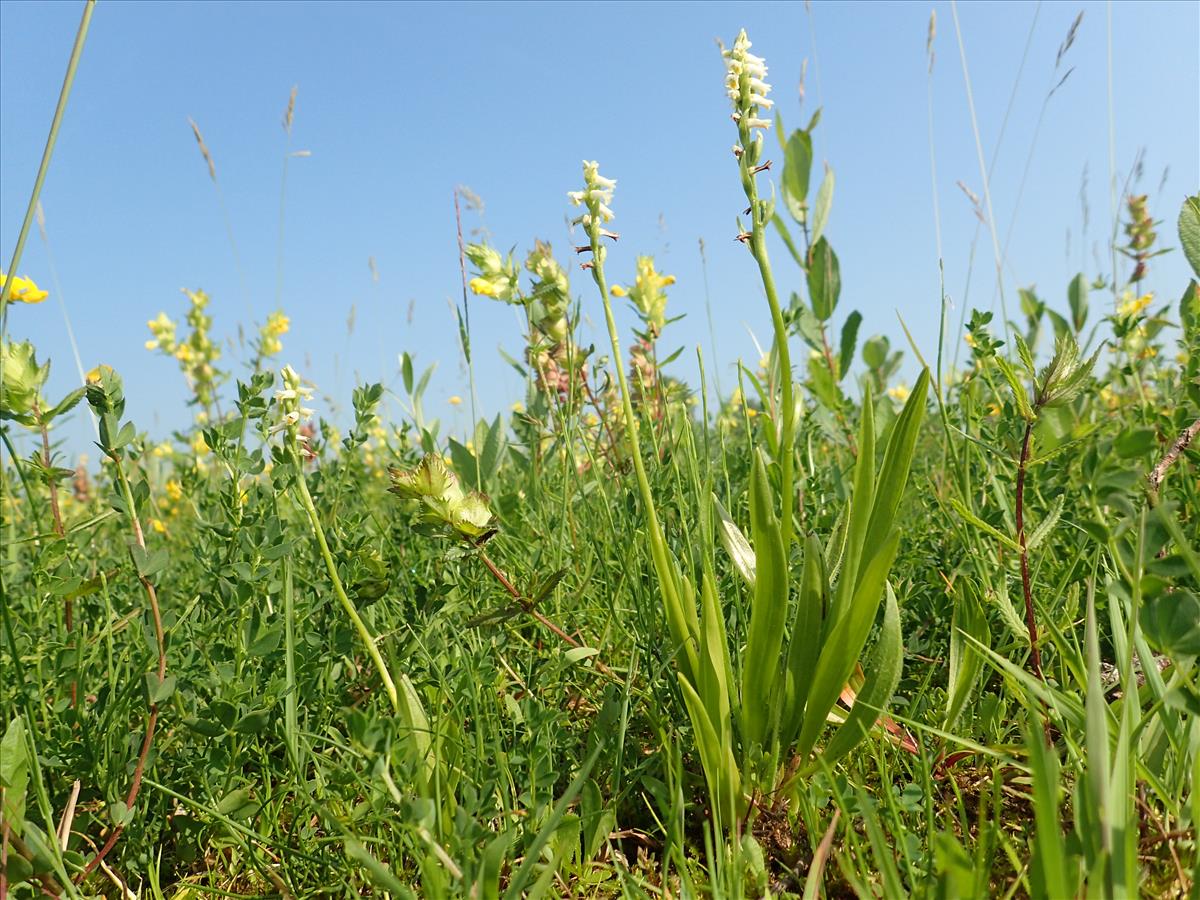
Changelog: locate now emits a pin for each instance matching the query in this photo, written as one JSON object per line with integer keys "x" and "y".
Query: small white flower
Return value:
{"x": 759, "y": 123}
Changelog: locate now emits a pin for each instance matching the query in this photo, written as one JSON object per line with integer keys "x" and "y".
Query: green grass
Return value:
{"x": 609, "y": 645}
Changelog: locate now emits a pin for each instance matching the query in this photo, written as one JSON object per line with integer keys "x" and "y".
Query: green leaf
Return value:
{"x": 720, "y": 769}
{"x": 1020, "y": 395}
{"x": 575, "y": 654}
{"x": 882, "y": 676}
{"x": 769, "y": 611}
{"x": 534, "y": 852}
{"x": 966, "y": 618}
{"x": 1046, "y": 525}
{"x": 1171, "y": 622}
{"x": 983, "y": 526}
{"x": 786, "y": 237}
{"x": 68, "y": 403}
{"x": 848, "y": 342}
{"x": 379, "y": 874}
{"x": 741, "y": 554}
{"x": 14, "y": 773}
{"x": 1050, "y": 856}
{"x": 1189, "y": 231}
{"x": 1077, "y": 299}
{"x": 824, "y": 280}
{"x": 897, "y": 460}
{"x": 796, "y": 171}
{"x": 805, "y": 323}
{"x": 805, "y": 643}
{"x": 862, "y": 501}
{"x": 840, "y": 650}
{"x": 824, "y": 202}
{"x": 159, "y": 692}
{"x": 1135, "y": 442}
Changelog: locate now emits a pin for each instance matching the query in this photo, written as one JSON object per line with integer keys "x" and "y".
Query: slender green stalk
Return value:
{"x": 331, "y": 567}
{"x": 51, "y": 140}
{"x": 787, "y": 432}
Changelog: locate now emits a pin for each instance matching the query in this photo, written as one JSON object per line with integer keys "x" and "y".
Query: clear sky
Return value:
{"x": 400, "y": 103}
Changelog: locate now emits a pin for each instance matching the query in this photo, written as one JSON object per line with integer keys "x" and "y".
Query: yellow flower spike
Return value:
{"x": 23, "y": 290}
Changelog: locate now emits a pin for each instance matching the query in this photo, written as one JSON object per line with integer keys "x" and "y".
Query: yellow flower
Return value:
{"x": 484, "y": 287}
{"x": 1132, "y": 307}
{"x": 618, "y": 291}
{"x": 970, "y": 339}
{"x": 163, "y": 449}
{"x": 199, "y": 445}
{"x": 94, "y": 376}
{"x": 751, "y": 412}
{"x": 174, "y": 490}
{"x": 455, "y": 400}
{"x": 899, "y": 392}
{"x": 157, "y": 525}
{"x": 23, "y": 290}
{"x": 592, "y": 420}
{"x": 518, "y": 407}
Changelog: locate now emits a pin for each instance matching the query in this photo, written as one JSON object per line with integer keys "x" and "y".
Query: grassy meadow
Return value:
{"x": 829, "y": 634}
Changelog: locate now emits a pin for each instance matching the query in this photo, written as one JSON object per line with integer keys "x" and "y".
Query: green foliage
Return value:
{"x": 618, "y": 644}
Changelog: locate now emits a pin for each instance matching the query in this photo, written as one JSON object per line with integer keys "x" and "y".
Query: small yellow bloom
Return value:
{"x": 592, "y": 420}
{"x": 751, "y": 412}
{"x": 174, "y": 490}
{"x": 618, "y": 291}
{"x": 518, "y": 407}
{"x": 970, "y": 339}
{"x": 899, "y": 392}
{"x": 163, "y": 449}
{"x": 23, "y": 290}
{"x": 199, "y": 445}
{"x": 93, "y": 377}
{"x": 484, "y": 287}
{"x": 1132, "y": 307}
{"x": 455, "y": 400}
{"x": 157, "y": 525}
{"x": 993, "y": 409}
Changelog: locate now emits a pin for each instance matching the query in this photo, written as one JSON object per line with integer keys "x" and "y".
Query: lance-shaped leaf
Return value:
{"x": 897, "y": 460}
{"x": 882, "y": 676}
{"x": 840, "y": 650}
{"x": 805, "y": 641}
{"x": 824, "y": 280}
{"x": 861, "y": 503}
{"x": 769, "y": 613}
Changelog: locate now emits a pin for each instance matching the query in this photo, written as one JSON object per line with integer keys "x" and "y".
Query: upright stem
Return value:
{"x": 160, "y": 641}
{"x": 1030, "y": 621}
{"x": 360, "y": 626}
{"x": 787, "y": 436}
{"x": 529, "y": 608}
{"x": 44, "y": 167}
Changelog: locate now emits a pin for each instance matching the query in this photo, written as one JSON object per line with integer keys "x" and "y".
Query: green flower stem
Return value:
{"x": 364, "y": 634}
{"x": 658, "y": 543}
{"x": 758, "y": 247}
{"x": 51, "y": 140}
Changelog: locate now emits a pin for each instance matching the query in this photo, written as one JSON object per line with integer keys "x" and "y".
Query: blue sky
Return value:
{"x": 399, "y": 103}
